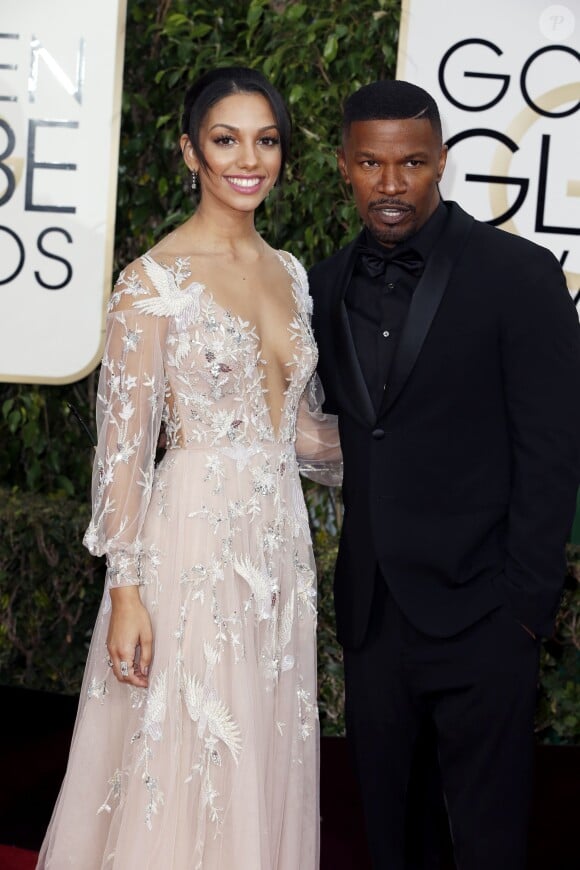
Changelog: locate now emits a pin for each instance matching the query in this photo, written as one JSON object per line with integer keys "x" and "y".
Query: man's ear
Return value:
{"x": 341, "y": 160}
{"x": 442, "y": 162}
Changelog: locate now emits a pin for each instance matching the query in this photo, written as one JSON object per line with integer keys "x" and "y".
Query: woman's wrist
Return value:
{"x": 125, "y": 596}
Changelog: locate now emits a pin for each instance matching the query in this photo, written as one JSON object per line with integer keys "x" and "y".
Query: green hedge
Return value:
{"x": 50, "y": 588}
{"x": 315, "y": 53}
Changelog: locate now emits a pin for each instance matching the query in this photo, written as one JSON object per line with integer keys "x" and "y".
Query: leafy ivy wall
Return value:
{"x": 316, "y": 54}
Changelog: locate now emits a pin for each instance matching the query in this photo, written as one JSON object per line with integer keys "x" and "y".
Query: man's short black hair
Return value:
{"x": 390, "y": 100}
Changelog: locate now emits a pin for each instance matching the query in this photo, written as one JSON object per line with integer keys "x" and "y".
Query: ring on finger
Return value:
{"x": 124, "y": 668}
{"x": 109, "y": 661}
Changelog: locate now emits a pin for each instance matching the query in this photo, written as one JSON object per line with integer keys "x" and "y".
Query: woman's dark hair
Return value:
{"x": 223, "y": 82}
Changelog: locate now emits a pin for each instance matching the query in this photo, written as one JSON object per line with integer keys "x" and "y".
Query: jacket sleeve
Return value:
{"x": 540, "y": 352}
{"x": 321, "y": 330}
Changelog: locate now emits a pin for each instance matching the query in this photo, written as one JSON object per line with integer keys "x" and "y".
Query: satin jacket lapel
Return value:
{"x": 355, "y": 394}
{"x": 426, "y": 299}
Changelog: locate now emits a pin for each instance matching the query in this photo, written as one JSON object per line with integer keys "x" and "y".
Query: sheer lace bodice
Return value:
{"x": 174, "y": 355}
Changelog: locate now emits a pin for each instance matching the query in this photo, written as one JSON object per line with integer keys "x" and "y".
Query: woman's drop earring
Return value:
{"x": 194, "y": 178}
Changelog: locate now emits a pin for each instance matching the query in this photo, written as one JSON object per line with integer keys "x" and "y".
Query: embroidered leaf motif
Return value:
{"x": 286, "y": 623}
{"x": 156, "y": 707}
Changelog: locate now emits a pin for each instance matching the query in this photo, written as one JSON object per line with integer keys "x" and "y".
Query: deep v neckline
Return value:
{"x": 250, "y": 330}
{"x": 183, "y": 302}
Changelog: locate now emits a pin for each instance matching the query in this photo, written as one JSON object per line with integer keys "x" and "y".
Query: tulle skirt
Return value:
{"x": 215, "y": 765}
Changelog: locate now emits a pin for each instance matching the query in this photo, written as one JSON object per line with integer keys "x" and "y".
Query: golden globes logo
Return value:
{"x": 12, "y": 167}
{"x": 60, "y": 99}
{"x": 553, "y": 105}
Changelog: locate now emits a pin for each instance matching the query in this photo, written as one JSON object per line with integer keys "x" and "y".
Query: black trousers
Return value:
{"x": 478, "y": 691}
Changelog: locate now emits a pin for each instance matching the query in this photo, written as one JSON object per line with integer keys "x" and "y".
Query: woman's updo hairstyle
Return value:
{"x": 223, "y": 82}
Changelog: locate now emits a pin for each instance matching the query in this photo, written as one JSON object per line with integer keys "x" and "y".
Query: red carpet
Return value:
{"x": 16, "y": 859}
{"x": 34, "y": 742}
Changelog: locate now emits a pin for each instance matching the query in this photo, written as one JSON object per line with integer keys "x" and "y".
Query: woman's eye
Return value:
{"x": 270, "y": 141}
{"x": 224, "y": 140}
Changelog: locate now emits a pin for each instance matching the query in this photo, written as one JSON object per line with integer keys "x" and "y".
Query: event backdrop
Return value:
{"x": 60, "y": 99}
{"x": 506, "y": 77}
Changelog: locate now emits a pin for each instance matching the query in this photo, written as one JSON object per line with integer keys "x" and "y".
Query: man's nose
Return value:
{"x": 392, "y": 180}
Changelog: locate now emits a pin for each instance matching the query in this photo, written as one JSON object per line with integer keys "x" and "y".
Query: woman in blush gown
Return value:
{"x": 196, "y": 740}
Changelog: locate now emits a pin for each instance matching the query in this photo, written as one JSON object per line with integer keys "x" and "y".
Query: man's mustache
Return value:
{"x": 391, "y": 203}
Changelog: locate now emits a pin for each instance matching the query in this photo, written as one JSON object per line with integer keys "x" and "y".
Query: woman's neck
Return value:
{"x": 228, "y": 233}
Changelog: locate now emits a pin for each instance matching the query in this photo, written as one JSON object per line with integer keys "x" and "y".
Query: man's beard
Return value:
{"x": 391, "y": 235}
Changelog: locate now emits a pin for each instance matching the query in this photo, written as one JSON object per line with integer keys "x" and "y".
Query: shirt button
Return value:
{"x": 378, "y": 434}
{"x": 386, "y": 333}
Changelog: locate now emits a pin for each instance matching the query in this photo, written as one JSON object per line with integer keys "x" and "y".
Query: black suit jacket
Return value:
{"x": 462, "y": 488}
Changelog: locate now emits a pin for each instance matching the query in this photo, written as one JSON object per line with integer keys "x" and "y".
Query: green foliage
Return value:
{"x": 43, "y": 448}
{"x": 558, "y": 717}
{"x": 49, "y": 591}
{"x": 330, "y": 676}
{"x": 316, "y": 55}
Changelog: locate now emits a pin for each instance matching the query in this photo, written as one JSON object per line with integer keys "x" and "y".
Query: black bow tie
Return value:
{"x": 375, "y": 262}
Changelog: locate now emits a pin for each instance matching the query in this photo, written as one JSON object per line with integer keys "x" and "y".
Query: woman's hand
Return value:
{"x": 130, "y": 637}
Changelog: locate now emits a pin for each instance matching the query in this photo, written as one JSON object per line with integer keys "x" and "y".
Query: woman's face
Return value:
{"x": 240, "y": 140}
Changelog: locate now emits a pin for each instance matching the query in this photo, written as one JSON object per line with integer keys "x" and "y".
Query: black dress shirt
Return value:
{"x": 378, "y": 306}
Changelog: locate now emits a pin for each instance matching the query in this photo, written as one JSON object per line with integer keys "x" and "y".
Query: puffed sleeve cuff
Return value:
{"x": 124, "y": 569}
{"x": 326, "y": 473}
{"x": 317, "y": 439}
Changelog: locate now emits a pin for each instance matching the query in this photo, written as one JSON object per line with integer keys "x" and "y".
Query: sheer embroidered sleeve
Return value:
{"x": 317, "y": 439}
{"x": 129, "y": 409}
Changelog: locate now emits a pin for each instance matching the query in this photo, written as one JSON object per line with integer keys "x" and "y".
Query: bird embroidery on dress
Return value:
{"x": 205, "y": 708}
{"x": 259, "y": 582}
{"x": 173, "y": 300}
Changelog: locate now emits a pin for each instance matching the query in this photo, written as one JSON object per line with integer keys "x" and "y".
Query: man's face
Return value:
{"x": 394, "y": 168}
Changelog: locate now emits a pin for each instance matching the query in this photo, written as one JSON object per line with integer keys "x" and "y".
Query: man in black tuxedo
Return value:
{"x": 451, "y": 352}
